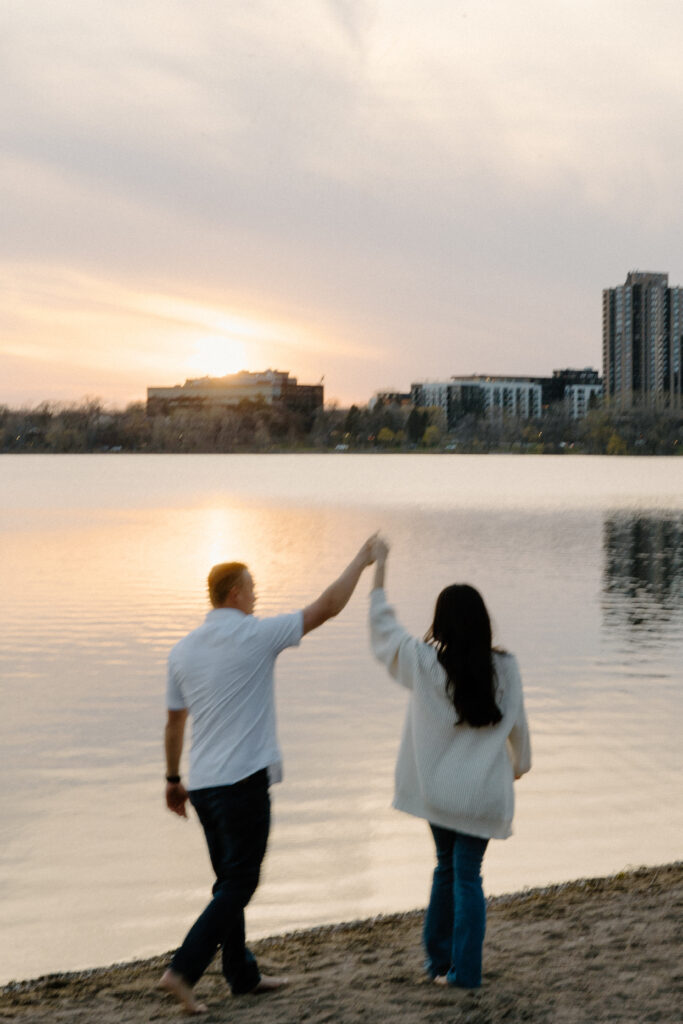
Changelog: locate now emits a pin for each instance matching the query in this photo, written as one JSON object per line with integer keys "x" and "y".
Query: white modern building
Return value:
{"x": 490, "y": 396}
{"x": 580, "y": 398}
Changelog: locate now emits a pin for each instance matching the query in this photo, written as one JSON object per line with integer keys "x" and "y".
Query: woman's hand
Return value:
{"x": 380, "y": 552}
{"x": 380, "y": 549}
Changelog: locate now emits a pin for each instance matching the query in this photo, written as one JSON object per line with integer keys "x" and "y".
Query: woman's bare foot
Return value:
{"x": 176, "y": 985}
{"x": 268, "y": 984}
{"x": 441, "y": 979}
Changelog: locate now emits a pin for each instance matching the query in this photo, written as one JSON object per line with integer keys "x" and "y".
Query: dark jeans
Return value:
{"x": 455, "y": 922}
{"x": 236, "y": 821}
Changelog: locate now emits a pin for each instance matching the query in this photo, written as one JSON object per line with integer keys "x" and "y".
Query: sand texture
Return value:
{"x": 585, "y": 952}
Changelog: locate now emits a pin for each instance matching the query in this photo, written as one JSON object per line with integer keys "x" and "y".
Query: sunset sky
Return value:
{"x": 377, "y": 191}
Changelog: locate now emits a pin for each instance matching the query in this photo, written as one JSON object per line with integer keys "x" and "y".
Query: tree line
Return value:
{"x": 259, "y": 427}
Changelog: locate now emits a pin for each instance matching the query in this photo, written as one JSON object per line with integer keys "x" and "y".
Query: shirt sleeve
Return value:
{"x": 281, "y": 631}
{"x": 174, "y": 697}
{"x": 391, "y": 643}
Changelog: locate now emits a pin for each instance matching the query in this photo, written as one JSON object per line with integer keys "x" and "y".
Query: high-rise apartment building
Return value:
{"x": 642, "y": 342}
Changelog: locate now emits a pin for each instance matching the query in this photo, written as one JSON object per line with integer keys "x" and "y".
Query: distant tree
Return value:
{"x": 465, "y": 431}
{"x": 595, "y": 431}
{"x": 416, "y": 424}
{"x": 135, "y": 428}
{"x": 257, "y": 426}
{"x": 557, "y": 425}
{"x": 353, "y": 421}
{"x": 616, "y": 445}
{"x": 327, "y": 426}
{"x": 437, "y": 419}
{"x": 431, "y": 436}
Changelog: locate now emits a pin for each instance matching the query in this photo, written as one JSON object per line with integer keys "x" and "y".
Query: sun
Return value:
{"x": 216, "y": 357}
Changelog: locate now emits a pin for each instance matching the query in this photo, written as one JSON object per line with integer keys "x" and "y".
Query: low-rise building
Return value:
{"x": 523, "y": 397}
{"x": 490, "y": 396}
{"x": 578, "y": 389}
{"x": 554, "y": 387}
{"x": 210, "y": 392}
{"x": 580, "y": 398}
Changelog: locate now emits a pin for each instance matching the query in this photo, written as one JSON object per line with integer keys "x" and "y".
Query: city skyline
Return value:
{"x": 374, "y": 192}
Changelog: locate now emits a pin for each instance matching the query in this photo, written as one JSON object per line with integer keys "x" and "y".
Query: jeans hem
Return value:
{"x": 244, "y": 990}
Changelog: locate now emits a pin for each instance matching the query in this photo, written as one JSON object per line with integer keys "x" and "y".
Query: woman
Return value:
{"x": 465, "y": 740}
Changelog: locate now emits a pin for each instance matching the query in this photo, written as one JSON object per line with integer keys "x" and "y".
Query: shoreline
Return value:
{"x": 314, "y": 450}
{"x": 588, "y": 950}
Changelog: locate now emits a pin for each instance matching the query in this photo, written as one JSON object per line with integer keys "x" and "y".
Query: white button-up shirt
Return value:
{"x": 222, "y": 673}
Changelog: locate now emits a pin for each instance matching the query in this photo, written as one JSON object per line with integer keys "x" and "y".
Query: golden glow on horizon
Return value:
{"x": 216, "y": 357}
{"x": 66, "y": 334}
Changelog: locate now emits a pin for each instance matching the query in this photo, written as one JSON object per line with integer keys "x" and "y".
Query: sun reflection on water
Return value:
{"x": 102, "y": 574}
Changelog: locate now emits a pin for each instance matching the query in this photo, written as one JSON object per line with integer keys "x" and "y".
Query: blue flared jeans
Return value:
{"x": 455, "y": 921}
{"x": 236, "y": 822}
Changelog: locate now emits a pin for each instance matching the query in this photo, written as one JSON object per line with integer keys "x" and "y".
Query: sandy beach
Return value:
{"x": 585, "y": 952}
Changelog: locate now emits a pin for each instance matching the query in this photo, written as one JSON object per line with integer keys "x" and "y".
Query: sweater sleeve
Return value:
{"x": 518, "y": 740}
{"x": 391, "y": 643}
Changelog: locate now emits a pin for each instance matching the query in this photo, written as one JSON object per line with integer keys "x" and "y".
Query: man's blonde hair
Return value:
{"x": 222, "y": 579}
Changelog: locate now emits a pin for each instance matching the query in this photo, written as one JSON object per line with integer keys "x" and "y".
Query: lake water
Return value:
{"x": 104, "y": 561}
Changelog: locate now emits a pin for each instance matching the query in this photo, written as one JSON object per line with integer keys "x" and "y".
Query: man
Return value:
{"x": 222, "y": 675}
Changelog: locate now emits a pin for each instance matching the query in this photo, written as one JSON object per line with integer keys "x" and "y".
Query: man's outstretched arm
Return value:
{"x": 336, "y": 596}
{"x": 176, "y": 794}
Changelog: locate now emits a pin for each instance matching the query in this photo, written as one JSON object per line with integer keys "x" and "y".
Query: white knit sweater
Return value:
{"x": 458, "y": 777}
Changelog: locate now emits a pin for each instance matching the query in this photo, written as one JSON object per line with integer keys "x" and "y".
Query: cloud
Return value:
{"x": 444, "y": 182}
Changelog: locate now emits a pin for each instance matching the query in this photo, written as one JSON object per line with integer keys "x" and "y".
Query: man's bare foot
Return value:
{"x": 441, "y": 979}
{"x": 176, "y": 985}
{"x": 268, "y": 984}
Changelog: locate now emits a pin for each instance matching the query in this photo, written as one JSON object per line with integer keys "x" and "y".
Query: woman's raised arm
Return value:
{"x": 380, "y": 551}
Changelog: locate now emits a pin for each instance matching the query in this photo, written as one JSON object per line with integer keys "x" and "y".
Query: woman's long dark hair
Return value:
{"x": 461, "y": 633}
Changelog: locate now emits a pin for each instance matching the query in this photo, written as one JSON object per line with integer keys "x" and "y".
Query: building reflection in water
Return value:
{"x": 643, "y": 573}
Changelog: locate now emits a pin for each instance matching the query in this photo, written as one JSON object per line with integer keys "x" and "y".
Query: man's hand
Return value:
{"x": 176, "y": 798}
{"x": 366, "y": 555}
{"x": 176, "y": 794}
